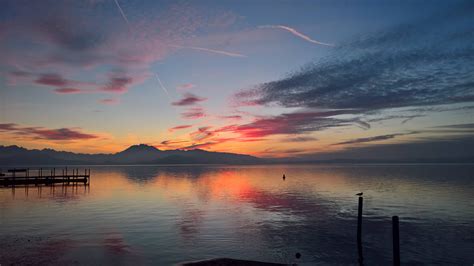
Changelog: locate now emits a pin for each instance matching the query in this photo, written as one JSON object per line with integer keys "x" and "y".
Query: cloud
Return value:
{"x": 202, "y": 133}
{"x": 68, "y": 91}
{"x": 189, "y": 99}
{"x": 405, "y": 118}
{"x": 424, "y": 63}
{"x": 77, "y": 38}
{"x": 296, "y": 33}
{"x": 110, "y": 101}
{"x": 193, "y": 113}
{"x": 54, "y": 80}
{"x": 179, "y": 127}
{"x": 458, "y": 126}
{"x": 374, "y": 138}
{"x": 117, "y": 84}
{"x": 199, "y": 146}
{"x": 300, "y": 139}
{"x": 231, "y": 117}
{"x": 186, "y": 86}
{"x": 172, "y": 142}
{"x": 60, "y": 134}
{"x": 215, "y": 51}
{"x": 451, "y": 148}
{"x": 291, "y": 123}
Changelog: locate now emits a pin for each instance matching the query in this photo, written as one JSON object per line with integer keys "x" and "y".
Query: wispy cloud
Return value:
{"x": 179, "y": 127}
{"x": 68, "y": 91}
{"x": 199, "y": 146}
{"x": 458, "y": 126}
{"x": 202, "y": 133}
{"x": 374, "y": 138}
{"x": 186, "y": 86}
{"x": 231, "y": 117}
{"x": 290, "y": 124}
{"x": 300, "y": 139}
{"x": 110, "y": 101}
{"x": 189, "y": 99}
{"x": 193, "y": 113}
{"x": 296, "y": 33}
{"x": 71, "y": 41}
{"x": 215, "y": 51}
{"x": 117, "y": 84}
{"x": 405, "y": 66}
{"x": 60, "y": 134}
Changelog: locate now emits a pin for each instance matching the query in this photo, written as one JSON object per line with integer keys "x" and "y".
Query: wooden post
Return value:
{"x": 359, "y": 232}
{"x": 396, "y": 241}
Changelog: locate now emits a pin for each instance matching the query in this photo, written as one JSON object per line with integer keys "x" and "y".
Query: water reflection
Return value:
{"x": 169, "y": 214}
{"x": 61, "y": 192}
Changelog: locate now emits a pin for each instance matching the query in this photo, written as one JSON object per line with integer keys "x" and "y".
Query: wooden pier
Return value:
{"x": 25, "y": 176}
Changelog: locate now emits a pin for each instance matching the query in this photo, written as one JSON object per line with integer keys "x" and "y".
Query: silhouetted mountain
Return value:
{"x": 136, "y": 154}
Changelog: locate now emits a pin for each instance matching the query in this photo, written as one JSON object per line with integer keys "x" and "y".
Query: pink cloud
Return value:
{"x": 117, "y": 84}
{"x": 74, "y": 41}
{"x": 48, "y": 134}
{"x": 189, "y": 99}
{"x": 179, "y": 127}
{"x": 186, "y": 86}
{"x": 231, "y": 117}
{"x": 193, "y": 113}
{"x": 68, "y": 91}
{"x": 52, "y": 79}
{"x": 201, "y": 134}
{"x": 289, "y": 123}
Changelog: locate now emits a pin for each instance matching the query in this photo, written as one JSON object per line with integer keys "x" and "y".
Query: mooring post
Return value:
{"x": 359, "y": 232}
{"x": 396, "y": 241}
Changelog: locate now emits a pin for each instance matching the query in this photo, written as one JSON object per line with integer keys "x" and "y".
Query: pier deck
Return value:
{"x": 43, "y": 176}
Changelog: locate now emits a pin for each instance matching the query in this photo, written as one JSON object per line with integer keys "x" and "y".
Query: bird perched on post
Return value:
{"x": 360, "y": 194}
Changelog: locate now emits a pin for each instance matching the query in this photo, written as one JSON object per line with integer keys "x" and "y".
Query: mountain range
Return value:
{"x": 146, "y": 154}
{"x": 136, "y": 154}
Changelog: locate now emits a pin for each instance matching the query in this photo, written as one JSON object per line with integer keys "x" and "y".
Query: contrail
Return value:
{"x": 294, "y": 32}
{"x": 130, "y": 28}
{"x": 163, "y": 87}
{"x": 209, "y": 50}
{"x": 122, "y": 13}
{"x": 178, "y": 46}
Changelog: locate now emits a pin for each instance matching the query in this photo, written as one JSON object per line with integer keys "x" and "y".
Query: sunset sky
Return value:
{"x": 266, "y": 78}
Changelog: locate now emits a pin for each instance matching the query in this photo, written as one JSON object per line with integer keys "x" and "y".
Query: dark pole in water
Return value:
{"x": 359, "y": 232}
{"x": 396, "y": 241}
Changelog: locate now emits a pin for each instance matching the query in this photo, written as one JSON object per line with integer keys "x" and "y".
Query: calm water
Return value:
{"x": 166, "y": 215}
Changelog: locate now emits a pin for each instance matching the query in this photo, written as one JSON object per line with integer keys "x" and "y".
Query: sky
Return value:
{"x": 303, "y": 79}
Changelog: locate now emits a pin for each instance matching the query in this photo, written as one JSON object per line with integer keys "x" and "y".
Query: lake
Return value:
{"x": 163, "y": 215}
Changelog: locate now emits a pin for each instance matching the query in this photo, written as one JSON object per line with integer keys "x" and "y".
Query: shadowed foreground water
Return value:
{"x": 169, "y": 214}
